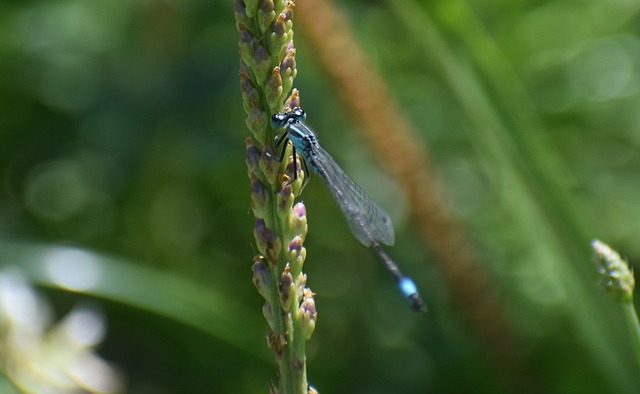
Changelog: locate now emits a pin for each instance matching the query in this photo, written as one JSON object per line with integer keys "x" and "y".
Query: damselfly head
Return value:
{"x": 281, "y": 119}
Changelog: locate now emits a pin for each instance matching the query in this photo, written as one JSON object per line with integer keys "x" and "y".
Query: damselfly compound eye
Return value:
{"x": 278, "y": 120}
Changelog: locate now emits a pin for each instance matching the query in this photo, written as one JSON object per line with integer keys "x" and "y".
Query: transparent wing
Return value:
{"x": 368, "y": 222}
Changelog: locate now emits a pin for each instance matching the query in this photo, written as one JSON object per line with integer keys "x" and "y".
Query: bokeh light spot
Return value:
{"x": 602, "y": 70}
{"x": 56, "y": 190}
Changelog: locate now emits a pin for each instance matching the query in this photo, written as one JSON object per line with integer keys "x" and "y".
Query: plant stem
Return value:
{"x": 634, "y": 328}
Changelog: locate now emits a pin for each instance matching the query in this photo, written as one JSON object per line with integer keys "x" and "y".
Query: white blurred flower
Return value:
{"x": 59, "y": 359}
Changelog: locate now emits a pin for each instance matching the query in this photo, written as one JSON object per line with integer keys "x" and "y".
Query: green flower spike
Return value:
{"x": 616, "y": 276}
{"x": 267, "y": 72}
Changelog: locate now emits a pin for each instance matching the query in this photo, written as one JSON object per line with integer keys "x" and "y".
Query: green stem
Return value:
{"x": 634, "y": 328}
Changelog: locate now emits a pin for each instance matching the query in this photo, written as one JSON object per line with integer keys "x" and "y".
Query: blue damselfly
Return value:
{"x": 369, "y": 223}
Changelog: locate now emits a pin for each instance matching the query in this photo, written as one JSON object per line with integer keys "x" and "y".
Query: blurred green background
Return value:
{"x": 122, "y": 133}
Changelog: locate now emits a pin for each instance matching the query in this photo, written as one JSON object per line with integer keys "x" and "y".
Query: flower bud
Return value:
{"x": 288, "y": 69}
{"x": 293, "y": 101}
{"x": 257, "y": 121}
{"x": 307, "y": 315}
{"x": 273, "y": 89}
{"x": 298, "y": 220}
{"x": 297, "y": 253}
{"x": 266, "y": 14}
{"x": 240, "y": 13}
{"x": 251, "y": 7}
{"x": 616, "y": 277}
{"x": 296, "y": 172}
{"x": 270, "y": 317}
{"x": 252, "y": 157}
{"x": 247, "y": 45}
{"x": 261, "y": 276}
{"x": 250, "y": 95}
{"x": 262, "y": 64}
{"x": 276, "y": 343}
{"x": 286, "y": 289}
{"x": 284, "y": 200}
{"x": 268, "y": 243}
{"x": 269, "y": 166}
{"x": 259, "y": 198}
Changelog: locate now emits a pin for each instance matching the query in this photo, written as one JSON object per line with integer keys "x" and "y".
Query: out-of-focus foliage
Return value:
{"x": 38, "y": 357}
{"x": 122, "y": 132}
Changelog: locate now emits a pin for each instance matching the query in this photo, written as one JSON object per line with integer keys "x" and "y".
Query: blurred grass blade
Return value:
{"x": 165, "y": 294}
{"x": 507, "y": 133}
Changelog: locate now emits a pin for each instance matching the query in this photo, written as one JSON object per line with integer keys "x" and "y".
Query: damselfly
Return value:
{"x": 369, "y": 223}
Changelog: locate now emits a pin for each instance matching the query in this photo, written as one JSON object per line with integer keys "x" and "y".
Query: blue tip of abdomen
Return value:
{"x": 410, "y": 292}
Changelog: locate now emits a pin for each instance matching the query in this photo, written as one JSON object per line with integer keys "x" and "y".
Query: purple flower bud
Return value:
{"x": 296, "y": 244}
{"x": 284, "y": 201}
{"x": 289, "y": 63}
{"x": 298, "y": 220}
{"x": 266, "y": 6}
{"x": 307, "y": 315}
{"x": 268, "y": 243}
{"x": 253, "y": 156}
{"x": 266, "y": 14}
{"x": 276, "y": 342}
{"x": 246, "y": 37}
{"x": 286, "y": 289}
{"x": 297, "y": 253}
{"x": 268, "y": 165}
{"x": 247, "y": 44}
{"x": 262, "y": 64}
{"x": 238, "y": 7}
{"x": 259, "y": 198}
{"x": 293, "y": 101}
{"x": 250, "y": 95}
{"x": 279, "y": 27}
{"x": 288, "y": 12}
{"x": 267, "y": 312}
{"x": 240, "y": 12}
{"x": 288, "y": 69}
{"x": 300, "y": 210}
{"x": 257, "y": 122}
{"x": 261, "y": 276}
{"x": 273, "y": 89}
{"x": 290, "y": 46}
